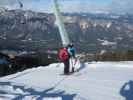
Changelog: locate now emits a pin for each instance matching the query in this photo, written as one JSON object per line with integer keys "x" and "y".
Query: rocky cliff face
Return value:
{"x": 96, "y": 33}
{"x": 34, "y": 31}
{"x": 25, "y": 25}
{"x": 23, "y": 28}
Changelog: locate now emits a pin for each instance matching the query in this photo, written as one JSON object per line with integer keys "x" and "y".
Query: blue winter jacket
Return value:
{"x": 71, "y": 51}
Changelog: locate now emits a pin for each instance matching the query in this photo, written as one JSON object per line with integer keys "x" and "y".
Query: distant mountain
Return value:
{"x": 28, "y": 30}
{"x": 96, "y": 32}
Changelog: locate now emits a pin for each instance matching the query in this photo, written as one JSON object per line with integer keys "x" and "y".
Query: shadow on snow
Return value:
{"x": 32, "y": 92}
{"x": 127, "y": 90}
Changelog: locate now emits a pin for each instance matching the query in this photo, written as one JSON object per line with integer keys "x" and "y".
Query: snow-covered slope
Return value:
{"x": 94, "y": 81}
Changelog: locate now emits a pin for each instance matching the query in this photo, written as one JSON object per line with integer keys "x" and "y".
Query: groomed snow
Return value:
{"x": 94, "y": 81}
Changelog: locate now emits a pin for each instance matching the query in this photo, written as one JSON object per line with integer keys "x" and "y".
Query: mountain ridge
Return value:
{"x": 90, "y": 32}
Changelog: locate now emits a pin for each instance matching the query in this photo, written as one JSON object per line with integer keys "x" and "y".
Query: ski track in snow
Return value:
{"x": 94, "y": 81}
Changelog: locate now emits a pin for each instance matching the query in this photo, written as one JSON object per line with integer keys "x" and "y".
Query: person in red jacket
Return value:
{"x": 64, "y": 57}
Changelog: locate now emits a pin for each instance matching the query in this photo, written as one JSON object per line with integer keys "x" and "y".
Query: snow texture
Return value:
{"x": 93, "y": 81}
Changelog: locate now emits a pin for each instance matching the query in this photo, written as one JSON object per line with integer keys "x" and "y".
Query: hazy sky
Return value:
{"x": 117, "y": 6}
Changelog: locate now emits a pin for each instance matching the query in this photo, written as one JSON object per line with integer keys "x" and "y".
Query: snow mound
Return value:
{"x": 92, "y": 81}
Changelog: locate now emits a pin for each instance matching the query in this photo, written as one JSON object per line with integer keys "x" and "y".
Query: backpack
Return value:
{"x": 63, "y": 54}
